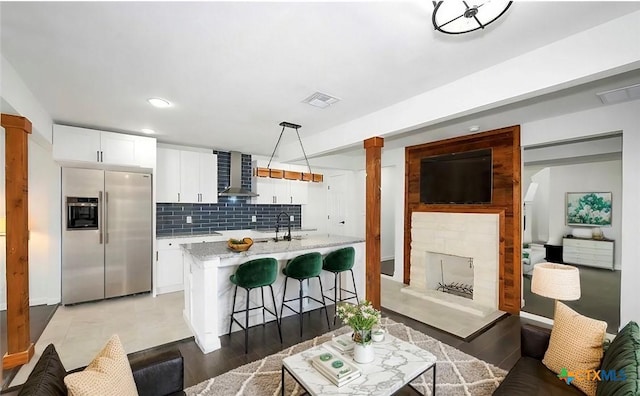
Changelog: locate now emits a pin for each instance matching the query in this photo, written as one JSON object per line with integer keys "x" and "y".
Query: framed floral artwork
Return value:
{"x": 589, "y": 209}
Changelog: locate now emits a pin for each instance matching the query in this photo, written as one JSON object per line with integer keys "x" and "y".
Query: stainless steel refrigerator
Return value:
{"x": 106, "y": 234}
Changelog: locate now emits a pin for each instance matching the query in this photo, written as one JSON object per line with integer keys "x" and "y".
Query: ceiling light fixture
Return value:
{"x": 147, "y": 131}
{"x": 159, "y": 103}
{"x": 321, "y": 100}
{"x": 458, "y": 17}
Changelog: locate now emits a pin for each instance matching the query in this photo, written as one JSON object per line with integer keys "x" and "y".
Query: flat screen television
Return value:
{"x": 457, "y": 178}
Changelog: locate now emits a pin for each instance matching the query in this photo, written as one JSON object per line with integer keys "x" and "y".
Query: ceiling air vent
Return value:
{"x": 618, "y": 95}
{"x": 321, "y": 100}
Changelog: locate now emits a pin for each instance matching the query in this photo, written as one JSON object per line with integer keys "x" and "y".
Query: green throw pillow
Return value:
{"x": 619, "y": 375}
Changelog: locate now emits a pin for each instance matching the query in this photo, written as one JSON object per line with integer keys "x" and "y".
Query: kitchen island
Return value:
{"x": 209, "y": 292}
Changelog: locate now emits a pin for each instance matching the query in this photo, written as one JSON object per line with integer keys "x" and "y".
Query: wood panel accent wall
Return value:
{"x": 19, "y": 346}
{"x": 373, "y": 147}
{"x": 506, "y": 200}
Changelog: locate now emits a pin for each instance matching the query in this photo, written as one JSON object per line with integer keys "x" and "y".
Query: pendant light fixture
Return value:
{"x": 291, "y": 175}
{"x": 458, "y": 17}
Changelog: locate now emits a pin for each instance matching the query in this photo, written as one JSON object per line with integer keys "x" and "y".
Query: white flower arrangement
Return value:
{"x": 359, "y": 317}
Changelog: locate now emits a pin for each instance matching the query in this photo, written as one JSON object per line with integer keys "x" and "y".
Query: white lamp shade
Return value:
{"x": 557, "y": 281}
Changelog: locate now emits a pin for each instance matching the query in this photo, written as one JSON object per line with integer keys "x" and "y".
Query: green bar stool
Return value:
{"x": 305, "y": 266}
{"x": 339, "y": 261}
{"x": 252, "y": 275}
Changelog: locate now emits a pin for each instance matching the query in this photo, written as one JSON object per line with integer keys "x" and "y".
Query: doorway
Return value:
{"x": 549, "y": 173}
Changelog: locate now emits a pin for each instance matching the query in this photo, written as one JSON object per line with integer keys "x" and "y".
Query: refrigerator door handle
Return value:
{"x": 100, "y": 218}
{"x": 97, "y": 156}
{"x": 106, "y": 214}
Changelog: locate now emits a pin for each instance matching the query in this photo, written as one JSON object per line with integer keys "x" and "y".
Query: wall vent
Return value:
{"x": 321, "y": 100}
{"x": 619, "y": 95}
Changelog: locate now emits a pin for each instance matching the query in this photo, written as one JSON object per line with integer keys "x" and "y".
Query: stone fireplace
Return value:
{"x": 457, "y": 250}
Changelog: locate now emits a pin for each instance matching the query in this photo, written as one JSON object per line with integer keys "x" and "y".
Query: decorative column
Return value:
{"x": 19, "y": 346}
{"x": 373, "y": 147}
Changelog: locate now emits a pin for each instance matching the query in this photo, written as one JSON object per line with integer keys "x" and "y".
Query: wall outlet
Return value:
{"x": 292, "y": 218}
{"x": 189, "y": 219}
{"x": 253, "y": 219}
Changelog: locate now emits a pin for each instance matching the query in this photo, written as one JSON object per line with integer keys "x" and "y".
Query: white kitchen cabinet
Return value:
{"x": 109, "y": 148}
{"x": 279, "y": 191}
{"x": 589, "y": 252}
{"x": 186, "y": 176}
{"x": 170, "y": 264}
{"x": 168, "y": 175}
{"x": 169, "y": 276}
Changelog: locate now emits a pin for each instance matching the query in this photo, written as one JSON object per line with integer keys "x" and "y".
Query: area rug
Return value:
{"x": 457, "y": 372}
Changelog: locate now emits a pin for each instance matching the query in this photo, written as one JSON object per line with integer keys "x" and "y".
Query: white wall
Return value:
{"x": 540, "y": 207}
{"x": 387, "y": 213}
{"x": 44, "y": 225}
{"x": 622, "y": 117}
{"x": 44, "y": 191}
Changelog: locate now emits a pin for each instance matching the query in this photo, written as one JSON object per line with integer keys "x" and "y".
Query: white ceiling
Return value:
{"x": 234, "y": 70}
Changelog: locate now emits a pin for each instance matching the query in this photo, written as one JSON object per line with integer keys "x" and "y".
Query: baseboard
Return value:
{"x": 169, "y": 289}
{"x": 38, "y": 301}
{"x": 387, "y": 258}
{"x": 3, "y": 306}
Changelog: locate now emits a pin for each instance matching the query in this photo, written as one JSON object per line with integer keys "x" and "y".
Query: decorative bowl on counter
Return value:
{"x": 240, "y": 245}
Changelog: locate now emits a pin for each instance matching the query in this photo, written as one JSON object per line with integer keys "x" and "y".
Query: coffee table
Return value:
{"x": 396, "y": 364}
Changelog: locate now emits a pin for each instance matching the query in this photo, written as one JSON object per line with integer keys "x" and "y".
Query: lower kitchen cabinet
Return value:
{"x": 169, "y": 261}
{"x": 169, "y": 272}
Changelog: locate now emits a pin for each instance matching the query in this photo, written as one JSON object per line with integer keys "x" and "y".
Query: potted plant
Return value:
{"x": 361, "y": 318}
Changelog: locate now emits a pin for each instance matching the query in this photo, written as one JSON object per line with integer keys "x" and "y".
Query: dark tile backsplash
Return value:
{"x": 172, "y": 218}
{"x": 230, "y": 213}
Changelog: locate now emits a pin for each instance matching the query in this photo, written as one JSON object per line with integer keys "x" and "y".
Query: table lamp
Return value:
{"x": 557, "y": 281}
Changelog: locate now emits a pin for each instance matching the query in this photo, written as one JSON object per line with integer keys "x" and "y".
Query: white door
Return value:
{"x": 337, "y": 213}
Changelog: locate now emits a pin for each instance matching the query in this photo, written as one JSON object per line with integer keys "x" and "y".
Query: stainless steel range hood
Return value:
{"x": 235, "y": 189}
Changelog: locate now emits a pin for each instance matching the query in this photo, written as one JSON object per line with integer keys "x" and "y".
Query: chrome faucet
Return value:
{"x": 287, "y": 237}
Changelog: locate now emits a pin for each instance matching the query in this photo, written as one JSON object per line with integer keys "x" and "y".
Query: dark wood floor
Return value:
{"x": 39, "y": 318}
{"x": 499, "y": 345}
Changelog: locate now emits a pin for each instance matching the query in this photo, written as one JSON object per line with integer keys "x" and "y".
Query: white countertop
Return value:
{"x": 210, "y": 250}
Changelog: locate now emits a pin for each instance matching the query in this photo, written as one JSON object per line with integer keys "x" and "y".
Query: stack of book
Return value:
{"x": 335, "y": 368}
{"x": 343, "y": 342}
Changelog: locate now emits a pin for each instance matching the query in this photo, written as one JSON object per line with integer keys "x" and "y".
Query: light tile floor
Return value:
{"x": 79, "y": 332}
{"x": 459, "y": 323}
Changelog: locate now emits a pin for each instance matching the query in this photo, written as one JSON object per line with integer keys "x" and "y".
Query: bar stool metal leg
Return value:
{"x": 323, "y": 302}
{"x": 300, "y": 315}
{"x": 275, "y": 308}
{"x": 264, "y": 319}
{"x": 335, "y": 297}
{"x": 246, "y": 326}
{"x": 355, "y": 290}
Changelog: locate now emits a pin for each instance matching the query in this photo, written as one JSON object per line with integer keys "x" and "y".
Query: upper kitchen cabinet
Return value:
{"x": 279, "y": 191}
{"x": 101, "y": 147}
{"x": 186, "y": 176}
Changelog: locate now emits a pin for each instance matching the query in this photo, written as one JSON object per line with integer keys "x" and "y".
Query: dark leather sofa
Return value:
{"x": 529, "y": 376}
{"x": 155, "y": 374}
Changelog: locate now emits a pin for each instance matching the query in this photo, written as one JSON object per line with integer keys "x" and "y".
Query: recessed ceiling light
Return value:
{"x": 474, "y": 128}
{"x": 148, "y": 131}
{"x": 158, "y": 102}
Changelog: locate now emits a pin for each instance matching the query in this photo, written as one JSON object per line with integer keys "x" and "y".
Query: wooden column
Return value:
{"x": 373, "y": 147}
{"x": 19, "y": 346}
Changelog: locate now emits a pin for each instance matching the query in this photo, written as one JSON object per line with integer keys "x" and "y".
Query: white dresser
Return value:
{"x": 588, "y": 252}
